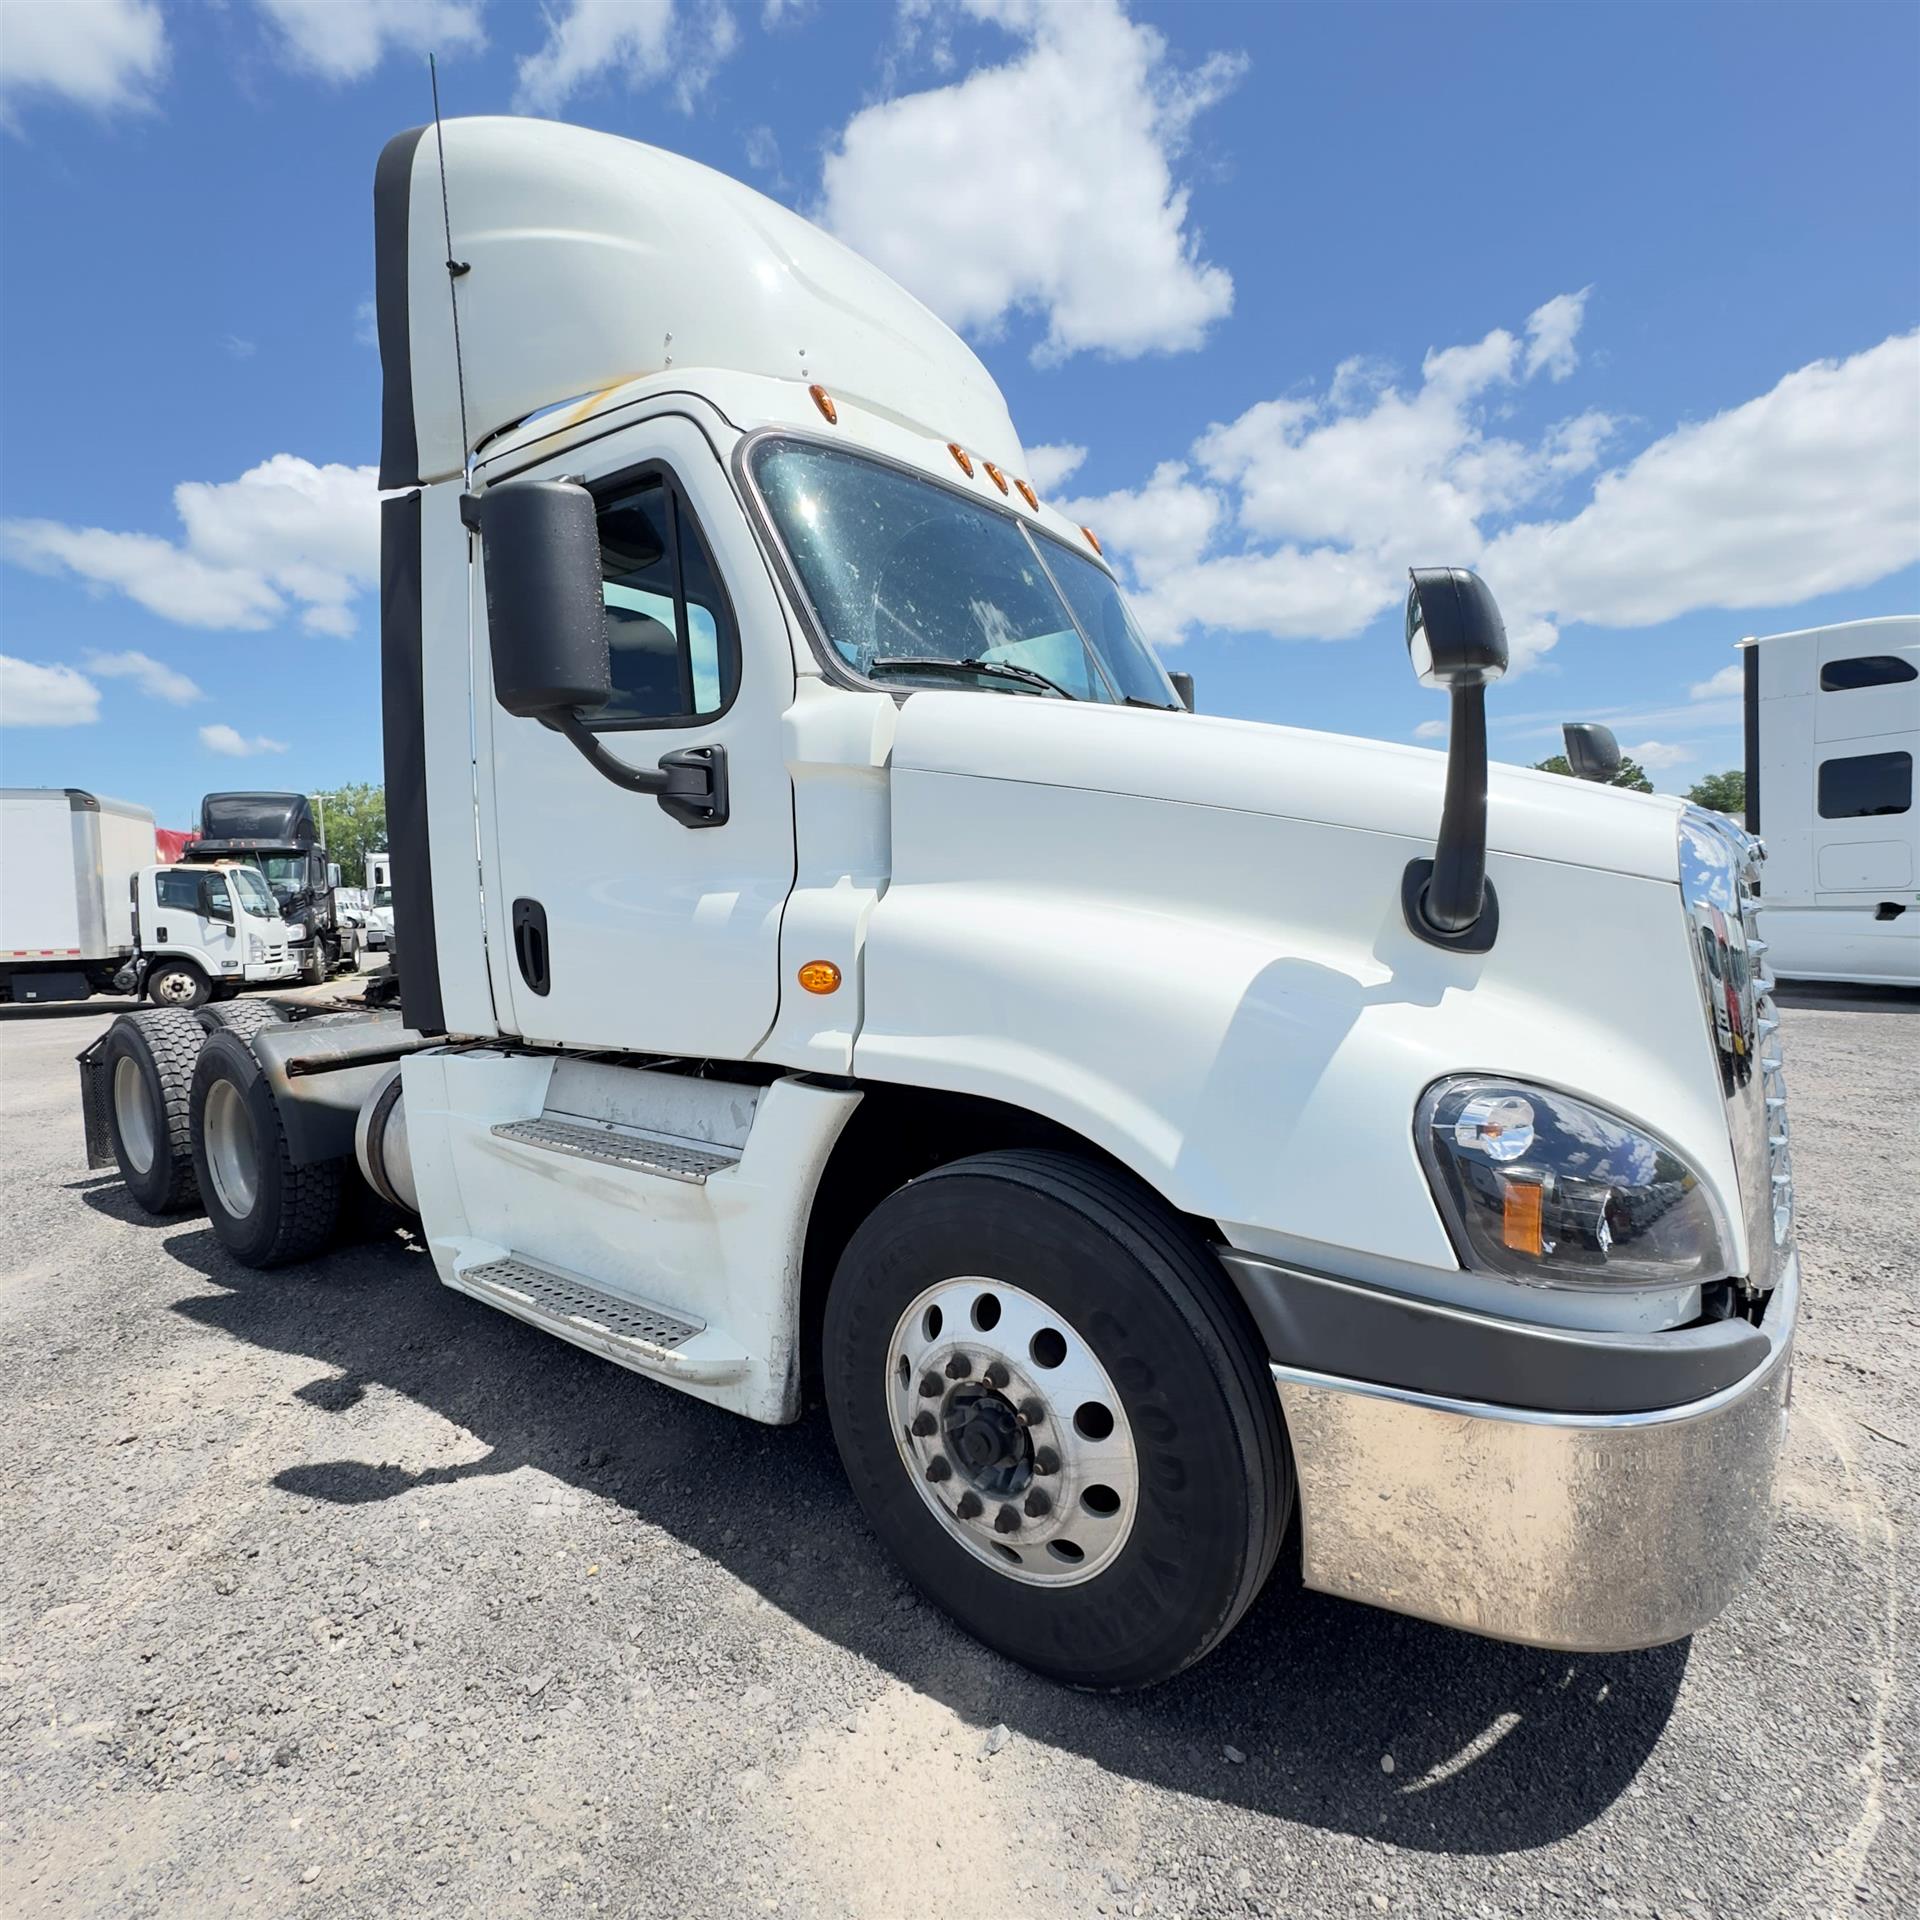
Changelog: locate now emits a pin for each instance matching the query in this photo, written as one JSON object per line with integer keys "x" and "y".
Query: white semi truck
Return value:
{"x": 85, "y": 908}
{"x": 1832, "y": 729}
{"x": 835, "y": 960}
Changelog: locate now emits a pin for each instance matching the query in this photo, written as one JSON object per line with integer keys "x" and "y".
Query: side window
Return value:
{"x": 218, "y": 899}
{"x": 179, "y": 889}
{"x": 1866, "y": 783}
{"x": 675, "y": 653}
{"x": 1869, "y": 670}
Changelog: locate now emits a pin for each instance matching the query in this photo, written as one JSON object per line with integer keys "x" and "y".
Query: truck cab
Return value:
{"x": 208, "y": 928}
{"x": 278, "y": 835}
{"x": 838, "y": 963}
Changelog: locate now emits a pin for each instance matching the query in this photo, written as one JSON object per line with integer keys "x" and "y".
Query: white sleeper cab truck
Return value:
{"x": 836, "y": 960}
{"x": 67, "y": 865}
{"x": 1832, "y": 728}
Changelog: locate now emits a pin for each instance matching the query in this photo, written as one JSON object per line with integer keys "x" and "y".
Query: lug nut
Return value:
{"x": 1033, "y": 1412}
{"x": 959, "y": 1367}
{"x": 931, "y": 1386}
{"x": 1045, "y": 1460}
{"x": 923, "y": 1424}
{"x": 1007, "y": 1520}
{"x": 998, "y": 1376}
{"x": 939, "y": 1468}
{"x": 1039, "y": 1502}
{"x": 969, "y": 1508}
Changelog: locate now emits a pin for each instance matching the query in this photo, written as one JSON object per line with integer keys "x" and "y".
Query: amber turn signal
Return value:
{"x": 962, "y": 458}
{"x": 820, "y": 976}
{"x": 1521, "y": 1227}
{"x": 824, "y": 401}
{"x": 1093, "y": 539}
{"x": 994, "y": 474}
{"x": 1028, "y": 495}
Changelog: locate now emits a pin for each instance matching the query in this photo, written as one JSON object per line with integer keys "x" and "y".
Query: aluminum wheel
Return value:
{"x": 1012, "y": 1431}
{"x": 227, "y": 1131}
{"x": 133, "y": 1110}
{"x": 174, "y": 987}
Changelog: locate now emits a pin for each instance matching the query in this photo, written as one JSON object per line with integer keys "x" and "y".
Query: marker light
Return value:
{"x": 961, "y": 457}
{"x": 994, "y": 474}
{"x": 824, "y": 401}
{"x": 820, "y": 976}
{"x": 1092, "y": 538}
{"x": 1028, "y": 495}
{"x": 1520, "y": 1211}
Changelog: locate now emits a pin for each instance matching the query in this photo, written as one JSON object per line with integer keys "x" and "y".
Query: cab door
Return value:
{"x": 612, "y": 921}
{"x": 193, "y": 913}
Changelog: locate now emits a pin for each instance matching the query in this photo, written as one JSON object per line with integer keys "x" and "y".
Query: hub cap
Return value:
{"x": 1012, "y": 1431}
{"x": 175, "y": 987}
{"x": 133, "y": 1110}
{"x": 227, "y": 1130}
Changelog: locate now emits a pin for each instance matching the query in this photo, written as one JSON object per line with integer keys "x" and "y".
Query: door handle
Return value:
{"x": 530, "y": 944}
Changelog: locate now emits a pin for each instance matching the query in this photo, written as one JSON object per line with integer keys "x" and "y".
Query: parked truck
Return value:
{"x": 837, "y": 962}
{"x": 277, "y": 834}
{"x": 379, "y": 910}
{"x": 1832, "y": 728}
{"x": 86, "y": 908}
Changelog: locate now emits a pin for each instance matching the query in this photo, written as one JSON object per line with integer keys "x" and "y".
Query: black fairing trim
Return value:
{"x": 392, "y": 197}
{"x": 1323, "y": 1325}
{"x": 403, "y": 712}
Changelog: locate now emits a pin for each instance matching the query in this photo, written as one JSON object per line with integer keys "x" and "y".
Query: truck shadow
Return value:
{"x": 1494, "y": 1748}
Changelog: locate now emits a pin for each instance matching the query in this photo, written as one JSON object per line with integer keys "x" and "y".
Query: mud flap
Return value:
{"x": 93, "y": 1105}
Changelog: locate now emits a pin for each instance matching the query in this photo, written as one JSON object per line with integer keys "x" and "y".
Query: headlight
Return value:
{"x": 1537, "y": 1186}
{"x": 256, "y": 947}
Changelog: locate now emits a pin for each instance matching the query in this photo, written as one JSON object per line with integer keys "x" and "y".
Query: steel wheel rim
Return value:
{"x": 1013, "y": 1431}
{"x": 133, "y": 1112}
{"x": 227, "y": 1130}
{"x": 175, "y": 987}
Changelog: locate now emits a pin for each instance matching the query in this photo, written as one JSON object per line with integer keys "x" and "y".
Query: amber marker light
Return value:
{"x": 1028, "y": 495}
{"x": 1093, "y": 539}
{"x": 1520, "y": 1223}
{"x": 962, "y": 459}
{"x": 820, "y": 976}
{"x": 994, "y": 474}
{"x": 824, "y": 401}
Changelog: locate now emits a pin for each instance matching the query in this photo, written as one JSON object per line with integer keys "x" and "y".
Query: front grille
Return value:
{"x": 1719, "y": 881}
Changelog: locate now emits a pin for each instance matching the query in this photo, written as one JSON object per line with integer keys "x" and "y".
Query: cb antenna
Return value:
{"x": 455, "y": 270}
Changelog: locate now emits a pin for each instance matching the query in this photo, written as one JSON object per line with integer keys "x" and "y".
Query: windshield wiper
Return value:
{"x": 940, "y": 664}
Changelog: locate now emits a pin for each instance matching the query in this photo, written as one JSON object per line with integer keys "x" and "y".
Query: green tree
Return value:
{"x": 1723, "y": 792}
{"x": 356, "y": 825}
{"x": 1632, "y": 773}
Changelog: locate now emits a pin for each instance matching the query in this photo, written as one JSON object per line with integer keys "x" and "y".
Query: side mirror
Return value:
{"x": 220, "y": 908}
{"x": 1592, "y": 751}
{"x": 546, "y": 623}
{"x": 333, "y": 875}
{"x": 1183, "y": 686}
{"x": 1456, "y": 640}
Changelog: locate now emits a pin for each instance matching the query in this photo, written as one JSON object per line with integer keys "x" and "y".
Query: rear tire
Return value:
{"x": 178, "y": 984}
{"x": 1111, "y": 1373}
{"x": 148, "y": 1063}
{"x": 244, "y": 1017}
{"x": 265, "y": 1210}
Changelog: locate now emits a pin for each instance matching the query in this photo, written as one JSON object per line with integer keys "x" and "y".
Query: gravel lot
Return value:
{"x": 334, "y": 1592}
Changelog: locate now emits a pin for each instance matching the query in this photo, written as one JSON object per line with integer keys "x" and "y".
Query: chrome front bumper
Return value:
{"x": 1589, "y": 1532}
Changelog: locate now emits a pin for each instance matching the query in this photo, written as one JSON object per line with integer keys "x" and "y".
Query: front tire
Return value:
{"x": 1054, "y": 1414}
{"x": 177, "y": 984}
{"x": 265, "y": 1210}
{"x": 148, "y": 1062}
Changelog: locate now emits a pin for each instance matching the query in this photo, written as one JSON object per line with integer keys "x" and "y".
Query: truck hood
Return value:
{"x": 1198, "y": 760}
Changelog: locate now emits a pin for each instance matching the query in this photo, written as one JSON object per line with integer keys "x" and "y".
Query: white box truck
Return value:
{"x": 1832, "y": 728}
{"x": 836, "y": 961}
{"x": 67, "y": 863}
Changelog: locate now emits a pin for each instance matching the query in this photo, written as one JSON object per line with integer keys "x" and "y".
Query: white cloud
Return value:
{"x": 153, "y": 677}
{"x": 37, "y": 696}
{"x": 1729, "y": 681}
{"x": 1550, "y": 334}
{"x": 103, "y": 54}
{"x": 639, "y": 41}
{"x": 1657, "y": 754}
{"x": 1050, "y": 467}
{"x": 287, "y": 536}
{"x": 237, "y": 348}
{"x": 221, "y": 738}
{"x": 1070, "y": 208}
{"x": 347, "y": 39}
{"x": 366, "y": 323}
{"x": 1158, "y": 527}
{"x": 1431, "y": 730}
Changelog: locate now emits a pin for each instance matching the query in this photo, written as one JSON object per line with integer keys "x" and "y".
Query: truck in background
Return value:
{"x": 379, "y": 915}
{"x": 86, "y": 908}
{"x": 838, "y": 964}
{"x": 277, "y": 833}
{"x": 1832, "y": 730}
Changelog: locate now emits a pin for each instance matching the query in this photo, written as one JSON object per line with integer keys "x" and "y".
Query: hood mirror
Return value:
{"x": 1183, "y": 686}
{"x": 1592, "y": 751}
{"x": 1456, "y": 640}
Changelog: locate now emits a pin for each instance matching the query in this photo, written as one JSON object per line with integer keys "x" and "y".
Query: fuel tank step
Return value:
{"x": 620, "y": 1147}
{"x": 636, "y": 1333}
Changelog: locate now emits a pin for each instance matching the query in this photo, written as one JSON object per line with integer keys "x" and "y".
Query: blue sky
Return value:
{"x": 1615, "y": 302}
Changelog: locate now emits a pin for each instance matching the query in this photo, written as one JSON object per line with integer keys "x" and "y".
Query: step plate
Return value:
{"x": 558, "y": 1298}
{"x": 667, "y": 1158}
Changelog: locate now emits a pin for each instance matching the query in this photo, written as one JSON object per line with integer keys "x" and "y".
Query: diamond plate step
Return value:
{"x": 557, "y": 1297}
{"x": 646, "y": 1153}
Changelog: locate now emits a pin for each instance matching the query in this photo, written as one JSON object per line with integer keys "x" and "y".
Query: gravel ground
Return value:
{"x": 333, "y": 1592}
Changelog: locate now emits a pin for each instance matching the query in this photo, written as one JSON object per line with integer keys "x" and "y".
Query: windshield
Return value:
{"x": 916, "y": 583}
{"x": 254, "y": 897}
{"x": 286, "y": 872}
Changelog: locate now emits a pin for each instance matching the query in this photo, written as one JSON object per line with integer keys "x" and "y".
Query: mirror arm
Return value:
{"x": 634, "y": 779}
{"x": 690, "y": 784}
{"x": 1448, "y": 900}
